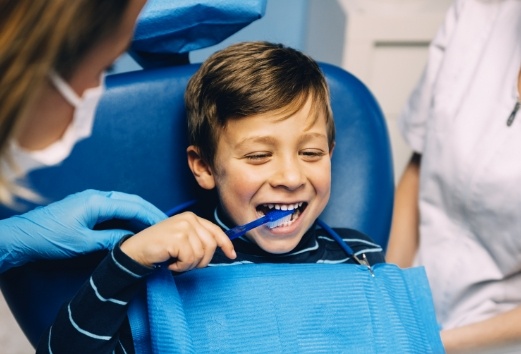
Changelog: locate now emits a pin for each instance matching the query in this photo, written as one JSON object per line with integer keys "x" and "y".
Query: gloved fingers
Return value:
{"x": 153, "y": 213}
{"x": 102, "y": 240}
{"x": 117, "y": 205}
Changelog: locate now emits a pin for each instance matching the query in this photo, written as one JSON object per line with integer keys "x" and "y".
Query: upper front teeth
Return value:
{"x": 284, "y": 206}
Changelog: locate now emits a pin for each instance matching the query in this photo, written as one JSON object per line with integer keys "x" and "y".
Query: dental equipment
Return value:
{"x": 348, "y": 250}
{"x": 272, "y": 216}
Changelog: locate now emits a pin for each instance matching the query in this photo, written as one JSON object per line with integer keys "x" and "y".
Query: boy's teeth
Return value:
{"x": 287, "y": 220}
{"x": 284, "y": 206}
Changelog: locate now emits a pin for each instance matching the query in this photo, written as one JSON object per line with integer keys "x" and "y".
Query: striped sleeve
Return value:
{"x": 91, "y": 322}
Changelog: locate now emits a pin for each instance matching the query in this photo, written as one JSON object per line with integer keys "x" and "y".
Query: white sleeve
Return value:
{"x": 412, "y": 122}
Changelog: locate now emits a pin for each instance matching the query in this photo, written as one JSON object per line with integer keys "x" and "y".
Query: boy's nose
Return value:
{"x": 289, "y": 175}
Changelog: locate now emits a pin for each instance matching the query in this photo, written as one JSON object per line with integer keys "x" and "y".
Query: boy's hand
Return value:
{"x": 185, "y": 239}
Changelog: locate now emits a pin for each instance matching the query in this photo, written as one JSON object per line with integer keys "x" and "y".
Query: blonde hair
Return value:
{"x": 37, "y": 36}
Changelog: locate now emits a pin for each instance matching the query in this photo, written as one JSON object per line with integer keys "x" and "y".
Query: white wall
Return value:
{"x": 386, "y": 43}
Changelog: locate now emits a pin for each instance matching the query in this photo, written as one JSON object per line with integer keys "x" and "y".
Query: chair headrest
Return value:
{"x": 167, "y": 29}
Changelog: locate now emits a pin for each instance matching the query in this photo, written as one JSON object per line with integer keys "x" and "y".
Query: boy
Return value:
{"x": 262, "y": 135}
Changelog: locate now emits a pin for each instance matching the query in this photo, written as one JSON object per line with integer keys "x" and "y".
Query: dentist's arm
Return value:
{"x": 64, "y": 229}
{"x": 493, "y": 333}
{"x": 403, "y": 240}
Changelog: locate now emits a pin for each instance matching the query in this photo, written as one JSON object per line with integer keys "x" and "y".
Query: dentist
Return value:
{"x": 53, "y": 57}
{"x": 457, "y": 205}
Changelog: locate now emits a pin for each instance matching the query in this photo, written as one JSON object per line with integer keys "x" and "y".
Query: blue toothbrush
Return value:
{"x": 274, "y": 215}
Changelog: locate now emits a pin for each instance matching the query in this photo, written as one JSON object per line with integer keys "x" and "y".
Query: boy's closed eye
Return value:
{"x": 312, "y": 154}
{"x": 308, "y": 155}
{"x": 258, "y": 157}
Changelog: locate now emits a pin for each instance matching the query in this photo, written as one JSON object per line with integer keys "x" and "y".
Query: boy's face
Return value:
{"x": 262, "y": 161}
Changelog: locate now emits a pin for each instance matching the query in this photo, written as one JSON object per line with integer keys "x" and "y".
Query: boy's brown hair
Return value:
{"x": 247, "y": 79}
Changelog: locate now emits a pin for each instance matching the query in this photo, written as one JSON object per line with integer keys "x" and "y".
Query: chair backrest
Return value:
{"x": 139, "y": 146}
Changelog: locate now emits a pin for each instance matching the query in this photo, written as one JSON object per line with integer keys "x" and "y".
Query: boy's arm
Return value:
{"x": 403, "y": 240}
{"x": 495, "y": 332}
{"x": 91, "y": 322}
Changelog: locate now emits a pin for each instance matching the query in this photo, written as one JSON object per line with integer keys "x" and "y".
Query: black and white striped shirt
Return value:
{"x": 95, "y": 321}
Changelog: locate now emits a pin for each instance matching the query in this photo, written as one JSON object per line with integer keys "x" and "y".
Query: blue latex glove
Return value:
{"x": 64, "y": 229}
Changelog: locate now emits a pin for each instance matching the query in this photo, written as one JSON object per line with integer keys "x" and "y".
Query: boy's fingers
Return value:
{"x": 221, "y": 239}
{"x": 199, "y": 246}
{"x": 206, "y": 233}
{"x": 185, "y": 259}
{"x": 186, "y": 249}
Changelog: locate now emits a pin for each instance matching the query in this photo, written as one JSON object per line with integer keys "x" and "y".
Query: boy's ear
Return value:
{"x": 201, "y": 170}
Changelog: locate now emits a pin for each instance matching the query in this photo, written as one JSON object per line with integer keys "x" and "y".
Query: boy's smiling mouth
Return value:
{"x": 287, "y": 220}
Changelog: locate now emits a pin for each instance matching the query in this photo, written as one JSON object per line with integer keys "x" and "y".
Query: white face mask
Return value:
{"x": 80, "y": 128}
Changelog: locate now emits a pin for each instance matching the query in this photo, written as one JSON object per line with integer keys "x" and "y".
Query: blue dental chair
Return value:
{"x": 139, "y": 145}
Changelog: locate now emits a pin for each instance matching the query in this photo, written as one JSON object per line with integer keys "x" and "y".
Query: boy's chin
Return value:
{"x": 277, "y": 246}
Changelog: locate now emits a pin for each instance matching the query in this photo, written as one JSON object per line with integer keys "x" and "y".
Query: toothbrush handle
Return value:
{"x": 240, "y": 230}
{"x": 271, "y": 216}
{"x": 237, "y": 231}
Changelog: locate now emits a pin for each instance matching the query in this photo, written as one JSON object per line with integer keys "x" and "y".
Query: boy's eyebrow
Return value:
{"x": 256, "y": 139}
{"x": 312, "y": 135}
{"x": 269, "y": 140}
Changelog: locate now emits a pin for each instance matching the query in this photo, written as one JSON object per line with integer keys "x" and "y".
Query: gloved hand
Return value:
{"x": 64, "y": 229}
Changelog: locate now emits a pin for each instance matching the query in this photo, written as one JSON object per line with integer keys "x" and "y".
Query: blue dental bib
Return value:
{"x": 287, "y": 308}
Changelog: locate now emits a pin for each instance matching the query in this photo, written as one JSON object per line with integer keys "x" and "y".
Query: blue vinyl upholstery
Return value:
{"x": 139, "y": 146}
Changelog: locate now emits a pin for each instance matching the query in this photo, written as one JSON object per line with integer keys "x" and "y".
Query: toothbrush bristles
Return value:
{"x": 279, "y": 222}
